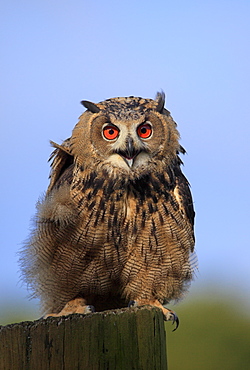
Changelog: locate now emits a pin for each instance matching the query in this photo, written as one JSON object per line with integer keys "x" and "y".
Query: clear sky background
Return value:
{"x": 56, "y": 53}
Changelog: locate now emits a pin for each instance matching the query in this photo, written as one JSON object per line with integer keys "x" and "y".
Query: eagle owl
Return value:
{"x": 115, "y": 227}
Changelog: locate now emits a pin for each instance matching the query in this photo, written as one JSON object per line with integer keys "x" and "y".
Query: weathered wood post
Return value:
{"x": 131, "y": 338}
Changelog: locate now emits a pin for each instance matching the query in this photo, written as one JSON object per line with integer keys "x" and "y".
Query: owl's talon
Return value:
{"x": 168, "y": 315}
{"x": 171, "y": 316}
{"x": 89, "y": 309}
{"x": 176, "y": 322}
{"x": 132, "y": 304}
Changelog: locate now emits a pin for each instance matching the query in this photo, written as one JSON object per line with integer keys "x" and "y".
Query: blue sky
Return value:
{"x": 56, "y": 53}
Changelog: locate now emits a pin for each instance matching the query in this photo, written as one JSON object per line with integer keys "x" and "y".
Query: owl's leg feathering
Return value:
{"x": 169, "y": 315}
{"x": 77, "y": 305}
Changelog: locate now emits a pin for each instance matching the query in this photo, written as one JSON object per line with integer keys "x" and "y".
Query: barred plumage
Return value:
{"x": 116, "y": 224}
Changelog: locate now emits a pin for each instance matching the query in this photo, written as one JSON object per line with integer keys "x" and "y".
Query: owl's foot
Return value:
{"x": 77, "y": 305}
{"x": 169, "y": 315}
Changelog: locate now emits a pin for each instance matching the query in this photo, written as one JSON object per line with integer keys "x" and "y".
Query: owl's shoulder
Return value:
{"x": 61, "y": 164}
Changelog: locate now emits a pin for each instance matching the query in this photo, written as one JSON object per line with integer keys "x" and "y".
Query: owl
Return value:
{"x": 115, "y": 227}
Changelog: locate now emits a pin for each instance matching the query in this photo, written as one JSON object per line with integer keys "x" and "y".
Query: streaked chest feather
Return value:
{"x": 117, "y": 210}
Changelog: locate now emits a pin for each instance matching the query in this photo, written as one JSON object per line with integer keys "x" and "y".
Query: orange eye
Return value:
{"x": 144, "y": 130}
{"x": 110, "y": 132}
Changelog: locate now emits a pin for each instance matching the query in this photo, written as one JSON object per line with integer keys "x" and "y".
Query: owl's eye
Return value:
{"x": 110, "y": 132}
{"x": 144, "y": 130}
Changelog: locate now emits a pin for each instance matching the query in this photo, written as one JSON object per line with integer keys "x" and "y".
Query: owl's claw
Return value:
{"x": 176, "y": 321}
{"x": 171, "y": 316}
{"x": 132, "y": 304}
{"x": 168, "y": 315}
{"x": 89, "y": 309}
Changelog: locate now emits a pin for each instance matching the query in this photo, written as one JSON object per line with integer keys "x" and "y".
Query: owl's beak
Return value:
{"x": 130, "y": 152}
{"x": 129, "y": 161}
{"x": 130, "y": 149}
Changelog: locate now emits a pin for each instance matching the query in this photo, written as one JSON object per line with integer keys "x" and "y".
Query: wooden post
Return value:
{"x": 128, "y": 339}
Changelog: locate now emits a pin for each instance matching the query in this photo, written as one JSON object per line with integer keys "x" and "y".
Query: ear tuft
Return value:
{"x": 92, "y": 107}
{"x": 160, "y": 101}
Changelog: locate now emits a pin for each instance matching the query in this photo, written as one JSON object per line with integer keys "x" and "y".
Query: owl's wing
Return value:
{"x": 183, "y": 196}
{"x": 62, "y": 164}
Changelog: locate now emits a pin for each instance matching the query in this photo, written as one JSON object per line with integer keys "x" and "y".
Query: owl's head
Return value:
{"x": 126, "y": 135}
